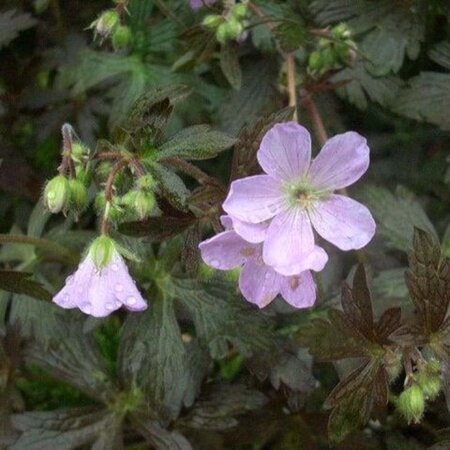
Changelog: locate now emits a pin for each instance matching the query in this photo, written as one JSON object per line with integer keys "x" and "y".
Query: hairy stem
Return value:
{"x": 291, "y": 80}
{"x": 193, "y": 171}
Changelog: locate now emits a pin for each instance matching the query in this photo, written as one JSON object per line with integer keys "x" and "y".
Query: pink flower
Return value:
{"x": 101, "y": 283}
{"x": 296, "y": 195}
{"x": 197, "y": 4}
{"x": 258, "y": 282}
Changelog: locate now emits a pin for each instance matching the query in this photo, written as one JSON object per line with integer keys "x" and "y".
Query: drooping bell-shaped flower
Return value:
{"x": 101, "y": 284}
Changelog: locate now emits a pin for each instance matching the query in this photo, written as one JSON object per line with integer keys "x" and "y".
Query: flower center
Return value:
{"x": 302, "y": 194}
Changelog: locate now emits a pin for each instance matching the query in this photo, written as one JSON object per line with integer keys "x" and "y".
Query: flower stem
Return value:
{"x": 67, "y": 161}
{"x": 292, "y": 88}
{"x": 316, "y": 118}
{"x": 194, "y": 172}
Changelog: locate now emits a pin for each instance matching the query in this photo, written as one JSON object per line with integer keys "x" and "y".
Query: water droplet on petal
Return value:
{"x": 131, "y": 301}
{"x": 118, "y": 304}
{"x": 114, "y": 267}
{"x": 110, "y": 306}
{"x": 69, "y": 280}
{"x": 118, "y": 287}
{"x": 86, "y": 308}
{"x": 267, "y": 276}
{"x": 215, "y": 262}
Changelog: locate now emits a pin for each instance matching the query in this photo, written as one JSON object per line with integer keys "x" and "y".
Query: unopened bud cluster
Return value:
{"x": 229, "y": 26}
{"x": 425, "y": 386}
{"x": 108, "y": 26}
{"x": 333, "y": 52}
{"x": 63, "y": 193}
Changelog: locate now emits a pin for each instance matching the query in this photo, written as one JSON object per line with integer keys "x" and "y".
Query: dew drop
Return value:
{"x": 69, "y": 280}
{"x": 118, "y": 304}
{"x": 114, "y": 267}
{"x": 215, "y": 262}
{"x": 267, "y": 276}
{"x": 131, "y": 301}
{"x": 110, "y": 306}
{"x": 118, "y": 287}
{"x": 86, "y": 308}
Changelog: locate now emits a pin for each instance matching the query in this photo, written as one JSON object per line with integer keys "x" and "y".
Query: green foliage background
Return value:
{"x": 201, "y": 368}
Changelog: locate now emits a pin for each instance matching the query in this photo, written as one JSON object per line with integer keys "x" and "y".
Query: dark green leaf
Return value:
{"x": 357, "y": 304}
{"x": 396, "y": 215}
{"x": 171, "y": 186}
{"x": 352, "y": 400}
{"x": 197, "y": 142}
{"x": 229, "y": 63}
{"x": 426, "y": 99}
{"x": 216, "y": 410}
{"x": 12, "y": 22}
{"x": 320, "y": 338}
{"x": 428, "y": 281}
{"x": 64, "y": 429}
{"x": 151, "y": 113}
{"x": 20, "y": 283}
{"x": 153, "y": 356}
{"x": 291, "y": 34}
{"x": 73, "y": 356}
{"x": 157, "y": 229}
{"x": 257, "y": 93}
{"x": 361, "y": 86}
{"x": 218, "y": 316}
{"x": 159, "y": 438}
{"x": 440, "y": 54}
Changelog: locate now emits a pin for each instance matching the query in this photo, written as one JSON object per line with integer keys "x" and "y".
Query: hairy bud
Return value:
{"x": 411, "y": 403}
{"x": 212, "y": 21}
{"x": 57, "y": 194}
{"x": 78, "y": 194}
{"x": 106, "y": 23}
{"x": 121, "y": 37}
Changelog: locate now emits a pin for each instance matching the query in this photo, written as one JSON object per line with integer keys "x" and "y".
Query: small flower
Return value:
{"x": 258, "y": 282}
{"x": 297, "y": 195}
{"x": 101, "y": 283}
{"x": 197, "y": 4}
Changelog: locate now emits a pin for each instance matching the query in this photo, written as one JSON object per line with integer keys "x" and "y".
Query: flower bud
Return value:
{"x": 57, "y": 194}
{"x": 212, "y": 21}
{"x": 146, "y": 182}
{"x": 240, "y": 11}
{"x": 115, "y": 213}
{"x": 222, "y": 33}
{"x": 84, "y": 174}
{"x": 79, "y": 151}
{"x": 121, "y": 37}
{"x": 141, "y": 203}
{"x": 106, "y": 23}
{"x": 315, "y": 62}
{"x": 78, "y": 194}
{"x": 341, "y": 31}
{"x": 411, "y": 403}
{"x": 235, "y": 28}
{"x": 429, "y": 379}
{"x": 101, "y": 251}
